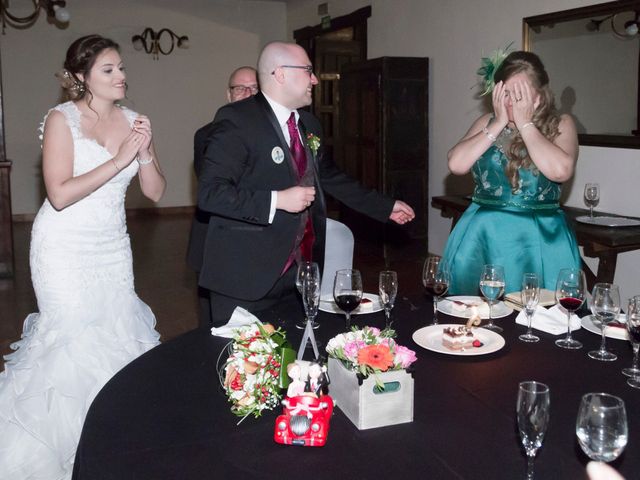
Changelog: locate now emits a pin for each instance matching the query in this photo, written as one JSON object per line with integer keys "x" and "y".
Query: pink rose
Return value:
{"x": 404, "y": 356}
{"x": 351, "y": 349}
{"x": 375, "y": 331}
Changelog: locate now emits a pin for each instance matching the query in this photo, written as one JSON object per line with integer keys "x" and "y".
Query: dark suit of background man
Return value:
{"x": 266, "y": 203}
{"x": 243, "y": 83}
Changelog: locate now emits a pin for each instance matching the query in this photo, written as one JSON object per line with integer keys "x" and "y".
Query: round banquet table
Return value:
{"x": 165, "y": 416}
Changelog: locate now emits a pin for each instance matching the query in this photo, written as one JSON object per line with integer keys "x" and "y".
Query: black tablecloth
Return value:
{"x": 164, "y": 416}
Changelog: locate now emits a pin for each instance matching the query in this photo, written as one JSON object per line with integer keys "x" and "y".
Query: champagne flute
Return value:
{"x": 306, "y": 269}
{"x": 347, "y": 292}
{"x": 633, "y": 327}
{"x": 570, "y": 289}
{"x": 601, "y": 426}
{"x": 436, "y": 278}
{"x": 388, "y": 289}
{"x": 605, "y": 306}
{"x": 530, "y": 296}
{"x": 533, "y": 418}
{"x": 591, "y": 197}
{"x": 492, "y": 288}
{"x": 311, "y": 296}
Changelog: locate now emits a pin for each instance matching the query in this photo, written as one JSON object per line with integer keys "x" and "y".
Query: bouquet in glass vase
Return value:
{"x": 370, "y": 351}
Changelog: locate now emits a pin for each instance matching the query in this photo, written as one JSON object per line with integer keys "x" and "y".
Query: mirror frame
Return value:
{"x": 603, "y": 9}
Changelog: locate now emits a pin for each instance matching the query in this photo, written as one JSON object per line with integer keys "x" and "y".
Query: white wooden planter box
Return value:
{"x": 363, "y": 405}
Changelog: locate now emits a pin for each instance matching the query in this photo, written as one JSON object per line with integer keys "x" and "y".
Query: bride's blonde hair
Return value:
{"x": 545, "y": 117}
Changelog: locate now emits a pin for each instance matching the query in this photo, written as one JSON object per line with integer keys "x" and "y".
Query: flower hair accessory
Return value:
{"x": 69, "y": 82}
{"x": 489, "y": 68}
{"x": 314, "y": 143}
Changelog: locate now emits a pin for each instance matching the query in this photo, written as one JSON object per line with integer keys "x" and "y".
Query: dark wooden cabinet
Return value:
{"x": 384, "y": 131}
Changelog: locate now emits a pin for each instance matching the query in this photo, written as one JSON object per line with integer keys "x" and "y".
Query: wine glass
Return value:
{"x": 492, "y": 288}
{"x": 601, "y": 426}
{"x": 591, "y": 197}
{"x": 347, "y": 292}
{"x": 388, "y": 289}
{"x": 436, "y": 278}
{"x": 311, "y": 296}
{"x": 306, "y": 269}
{"x": 633, "y": 327}
{"x": 570, "y": 289}
{"x": 533, "y": 418}
{"x": 605, "y": 306}
{"x": 530, "y": 296}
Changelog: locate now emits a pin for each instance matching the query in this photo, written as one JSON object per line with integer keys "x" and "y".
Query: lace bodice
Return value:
{"x": 535, "y": 191}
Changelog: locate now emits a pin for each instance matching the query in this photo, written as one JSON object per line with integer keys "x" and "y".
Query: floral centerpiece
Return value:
{"x": 370, "y": 351}
{"x": 253, "y": 373}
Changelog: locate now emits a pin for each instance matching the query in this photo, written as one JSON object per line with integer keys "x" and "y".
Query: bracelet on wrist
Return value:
{"x": 528, "y": 124}
{"x": 144, "y": 162}
{"x": 115, "y": 164}
{"x": 489, "y": 135}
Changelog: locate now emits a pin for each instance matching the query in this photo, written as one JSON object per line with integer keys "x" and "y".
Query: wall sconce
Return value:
{"x": 55, "y": 10}
{"x": 630, "y": 28}
{"x": 150, "y": 42}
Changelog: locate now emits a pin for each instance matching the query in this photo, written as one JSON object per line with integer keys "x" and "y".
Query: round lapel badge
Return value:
{"x": 277, "y": 155}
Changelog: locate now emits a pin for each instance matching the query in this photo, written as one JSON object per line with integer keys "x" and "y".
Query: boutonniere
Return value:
{"x": 314, "y": 143}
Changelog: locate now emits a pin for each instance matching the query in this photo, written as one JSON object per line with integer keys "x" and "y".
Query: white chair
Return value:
{"x": 338, "y": 254}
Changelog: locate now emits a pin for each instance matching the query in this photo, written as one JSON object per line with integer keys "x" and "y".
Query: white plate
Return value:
{"x": 431, "y": 338}
{"x": 327, "y": 304}
{"x": 593, "y": 325}
{"x": 606, "y": 221}
{"x": 445, "y": 306}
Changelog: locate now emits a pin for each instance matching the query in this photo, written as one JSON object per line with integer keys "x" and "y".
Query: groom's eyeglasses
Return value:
{"x": 306, "y": 68}
{"x": 253, "y": 89}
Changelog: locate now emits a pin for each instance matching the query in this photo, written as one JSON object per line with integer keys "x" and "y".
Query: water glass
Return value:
{"x": 601, "y": 426}
{"x": 605, "y": 306}
{"x": 492, "y": 288}
{"x": 570, "y": 289}
{"x": 388, "y": 289}
{"x": 591, "y": 196}
{"x": 347, "y": 292}
{"x": 530, "y": 297}
{"x": 436, "y": 278}
{"x": 533, "y": 418}
{"x": 633, "y": 327}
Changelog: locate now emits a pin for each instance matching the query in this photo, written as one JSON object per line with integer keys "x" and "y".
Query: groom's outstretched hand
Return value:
{"x": 401, "y": 213}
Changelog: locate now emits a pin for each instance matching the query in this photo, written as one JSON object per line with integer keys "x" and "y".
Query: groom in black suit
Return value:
{"x": 263, "y": 182}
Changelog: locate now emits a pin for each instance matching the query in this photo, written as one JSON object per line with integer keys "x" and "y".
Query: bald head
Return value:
{"x": 283, "y": 74}
{"x": 243, "y": 83}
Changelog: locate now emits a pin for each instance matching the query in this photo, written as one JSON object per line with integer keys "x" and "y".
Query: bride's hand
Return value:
{"x": 142, "y": 125}
{"x": 128, "y": 149}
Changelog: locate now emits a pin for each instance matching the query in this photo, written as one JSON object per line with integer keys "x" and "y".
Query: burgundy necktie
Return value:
{"x": 300, "y": 159}
{"x": 297, "y": 150}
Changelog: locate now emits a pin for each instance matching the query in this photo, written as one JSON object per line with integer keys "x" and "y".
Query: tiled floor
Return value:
{"x": 167, "y": 285}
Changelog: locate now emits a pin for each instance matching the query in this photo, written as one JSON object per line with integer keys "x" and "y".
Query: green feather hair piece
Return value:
{"x": 489, "y": 67}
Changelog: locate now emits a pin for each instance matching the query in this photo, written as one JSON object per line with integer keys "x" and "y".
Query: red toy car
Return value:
{"x": 305, "y": 421}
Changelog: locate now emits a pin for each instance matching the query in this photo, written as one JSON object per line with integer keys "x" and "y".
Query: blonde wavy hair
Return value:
{"x": 545, "y": 117}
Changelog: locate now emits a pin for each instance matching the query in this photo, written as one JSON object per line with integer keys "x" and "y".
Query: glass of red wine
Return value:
{"x": 347, "y": 292}
{"x": 570, "y": 291}
{"x": 633, "y": 327}
{"x": 436, "y": 278}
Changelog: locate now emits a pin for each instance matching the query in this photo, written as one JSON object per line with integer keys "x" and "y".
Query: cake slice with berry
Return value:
{"x": 458, "y": 337}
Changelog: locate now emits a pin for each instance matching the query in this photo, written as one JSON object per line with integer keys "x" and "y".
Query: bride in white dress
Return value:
{"x": 90, "y": 322}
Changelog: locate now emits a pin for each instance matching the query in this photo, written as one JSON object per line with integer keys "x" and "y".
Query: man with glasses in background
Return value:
{"x": 263, "y": 180}
{"x": 243, "y": 83}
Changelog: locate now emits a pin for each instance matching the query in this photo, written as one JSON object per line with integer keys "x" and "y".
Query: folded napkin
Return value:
{"x": 239, "y": 318}
{"x": 552, "y": 320}
{"x": 514, "y": 299}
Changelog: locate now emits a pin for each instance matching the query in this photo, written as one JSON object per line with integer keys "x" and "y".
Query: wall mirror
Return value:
{"x": 592, "y": 55}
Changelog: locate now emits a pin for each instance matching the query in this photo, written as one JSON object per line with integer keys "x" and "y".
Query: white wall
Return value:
{"x": 454, "y": 35}
{"x": 179, "y": 92}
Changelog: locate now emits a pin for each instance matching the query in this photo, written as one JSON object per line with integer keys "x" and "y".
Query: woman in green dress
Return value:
{"x": 519, "y": 156}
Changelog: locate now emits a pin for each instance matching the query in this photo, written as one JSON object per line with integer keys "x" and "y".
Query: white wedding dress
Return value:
{"x": 90, "y": 322}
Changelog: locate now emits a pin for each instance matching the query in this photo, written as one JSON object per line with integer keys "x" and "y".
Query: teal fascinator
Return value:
{"x": 489, "y": 67}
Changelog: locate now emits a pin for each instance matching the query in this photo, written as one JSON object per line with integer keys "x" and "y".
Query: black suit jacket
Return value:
{"x": 243, "y": 253}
